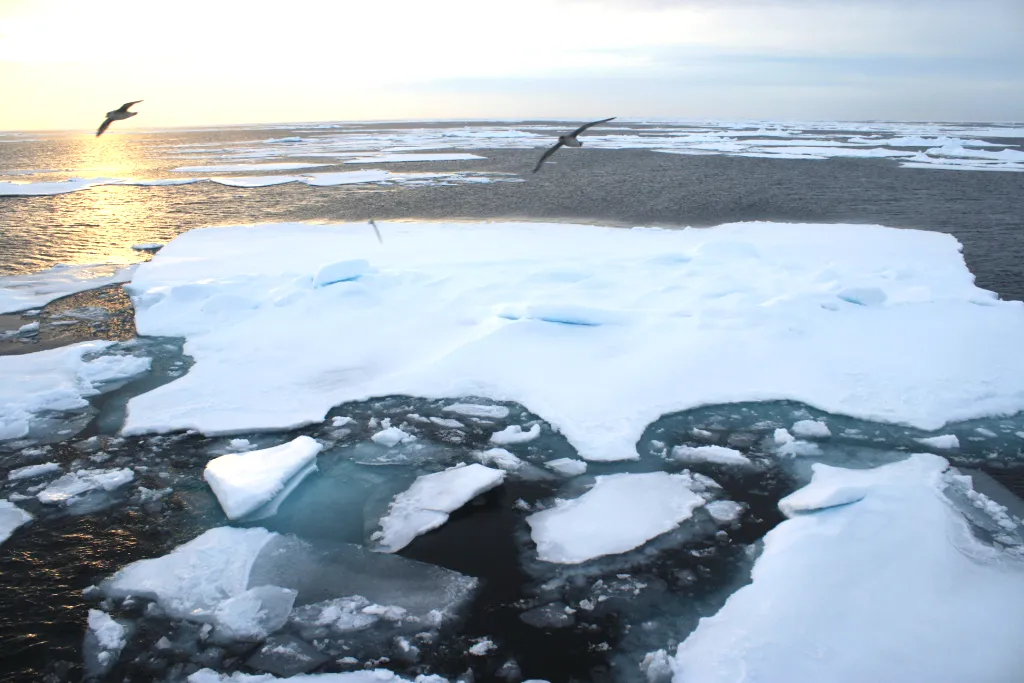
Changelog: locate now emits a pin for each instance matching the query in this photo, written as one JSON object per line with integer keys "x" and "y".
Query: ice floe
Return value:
{"x": 719, "y": 455}
{"x": 235, "y": 168}
{"x": 245, "y": 482}
{"x": 943, "y": 441}
{"x": 811, "y": 429}
{"x": 567, "y": 466}
{"x": 866, "y": 558}
{"x": 621, "y": 512}
{"x": 514, "y": 434}
{"x": 33, "y": 471}
{"x": 770, "y": 302}
{"x": 35, "y": 385}
{"x": 401, "y": 158}
{"x": 426, "y": 504}
{"x": 11, "y": 517}
{"x": 22, "y": 292}
{"x": 73, "y": 484}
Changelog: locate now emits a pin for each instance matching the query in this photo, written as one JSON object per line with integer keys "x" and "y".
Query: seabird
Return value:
{"x": 568, "y": 140}
{"x": 376, "y": 230}
{"x": 119, "y": 114}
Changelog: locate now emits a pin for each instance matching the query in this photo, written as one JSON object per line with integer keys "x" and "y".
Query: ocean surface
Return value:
{"x": 74, "y": 199}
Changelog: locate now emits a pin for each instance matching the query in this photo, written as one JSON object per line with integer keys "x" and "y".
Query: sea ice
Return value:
{"x": 500, "y": 458}
{"x": 944, "y": 441}
{"x": 109, "y": 633}
{"x": 843, "y": 587}
{"x": 791, "y": 446}
{"x": 73, "y": 484}
{"x": 367, "y": 676}
{"x": 719, "y": 455}
{"x": 244, "y": 482}
{"x": 232, "y": 168}
{"x": 57, "y": 380}
{"x": 724, "y": 510}
{"x": 567, "y": 466}
{"x": 391, "y": 437}
{"x": 811, "y": 429}
{"x": 11, "y": 517}
{"x": 33, "y": 471}
{"x": 621, "y": 512}
{"x": 514, "y": 434}
{"x": 397, "y": 158}
{"x": 254, "y": 614}
{"x": 427, "y": 503}
{"x": 22, "y": 292}
{"x": 429, "y": 326}
{"x": 476, "y": 410}
{"x": 103, "y": 644}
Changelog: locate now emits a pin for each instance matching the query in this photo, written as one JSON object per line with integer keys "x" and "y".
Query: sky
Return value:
{"x": 64, "y": 63}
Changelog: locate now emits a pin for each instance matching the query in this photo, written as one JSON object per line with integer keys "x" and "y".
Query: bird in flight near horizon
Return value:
{"x": 119, "y": 114}
{"x": 376, "y": 230}
{"x": 568, "y": 140}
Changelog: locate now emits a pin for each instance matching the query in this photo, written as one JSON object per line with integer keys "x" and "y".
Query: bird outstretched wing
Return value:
{"x": 548, "y": 153}
{"x": 124, "y": 107}
{"x": 103, "y": 126}
{"x": 588, "y": 125}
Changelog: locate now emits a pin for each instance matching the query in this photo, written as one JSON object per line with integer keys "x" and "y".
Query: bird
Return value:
{"x": 376, "y": 230}
{"x": 568, "y": 140}
{"x": 119, "y": 114}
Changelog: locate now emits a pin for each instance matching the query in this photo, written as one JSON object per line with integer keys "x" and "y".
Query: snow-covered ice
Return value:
{"x": 943, "y": 441}
{"x": 234, "y": 168}
{"x": 73, "y": 484}
{"x": 476, "y": 410}
{"x": 427, "y": 503}
{"x": 500, "y": 458}
{"x": 391, "y": 437}
{"x": 11, "y": 517}
{"x": 57, "y": 380}
{"x": 33, "y": 471}
{"x": 811, "y": 429}
{"x": 791, "y": 446}
{"x": 875, "y": 577}
{"x": 567, "y": 466}
{"x": 621, "y": 512}
{"x": 760, "y": 299}
{"x": 719, "y": 455}
{"x": 22, "y": 292}
{"x": 109, "y": 633}
{"x": 245, "y": 482}
{"x": 724, "y": 510}
{"x": 514, "y": 434}
{"x": 400, "y": 158}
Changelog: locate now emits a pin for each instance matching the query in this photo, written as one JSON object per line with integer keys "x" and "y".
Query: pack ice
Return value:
{"x": 875, "y": 576}
{"x": 851, "y": 319}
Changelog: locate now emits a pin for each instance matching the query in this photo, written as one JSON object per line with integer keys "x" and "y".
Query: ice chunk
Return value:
{"x": 342, "y": 271}
{"x": 621, "y": 512}
{"x": 398, "y": 158}
{"x": 500, "y": 458}
{"x": 341, "y": 614}
{"x": 148, "y": 246}
{"x": 240, "y": 445}
{"x": 56, "y": 380}
{"x": 567, "y": 466}
{"x": 243, "y": 482}
{"x": 482, "y": 647}
{"x": 514, "y": 434}
{"x": 427, "y": 503}
{"x": 109, "y": 634}
{"x": 22, "y": 292}
{"x": 33, "y": 471}
{"x": 391, "y": 437}
{"x": 818, "y": 588}
{"x": 789, "y": 445}
{"x": 286, "y": 655}
{"x": 11, "y": 517}
{"x": 724, "y": 510}
{"x": 28, "y": 329}
{"x": 103, "y": 644}
{"x": 477, "y": 410}
{"x": 447, "y": 422}
{"x": 74, "y": 484}
{"x": 719, "y": 455}
{"x": 944, "y": 442}
{"x": 367, "y": 676}
{"x": 191, "y": 581}
{"x": 811, "y": 429}
{"x": 234, "y": 168}
{"x": 255, "y": 613}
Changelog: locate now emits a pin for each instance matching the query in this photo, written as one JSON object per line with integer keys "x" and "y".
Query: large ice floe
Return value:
{"x": 37, "y": 389}
{"x": 875, "y": 576}
{"x": 597, "y": 330}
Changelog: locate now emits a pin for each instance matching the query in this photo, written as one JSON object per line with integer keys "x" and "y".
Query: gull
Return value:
{"x": 119, "y": 114}
{"x": 376, "y": 230}
{"x": 568, "y": 140}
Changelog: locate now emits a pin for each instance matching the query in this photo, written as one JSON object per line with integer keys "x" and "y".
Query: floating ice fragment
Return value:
{"x": 73, "y": 484}
{"x": 33, "y": 471}
{"x": 398, "y": 158}
{"x": 11, "y": 517}
{"x": 427, "y": 503}
{"x": 447, "y": 422}
{"x": 724, "y": 510}
{"x": 567, "y": 466}
{"x": 621, "y": 512}
{"x": 714, "y": 454}
{"x": 22, "y": 292}
{"x": 477, "y": 410}
{"x": 244, "y": 482}
{"x": 109, "y": 633}
{"x": 514, "y": 434}
{"x": 482, "y": 647}
{"x": 391, "y": 437}
{"x": 500, "y": 458}
{"x": 811, "y": 429}
{"x": 254, "y": 614}
{"x": 944, "y": 441}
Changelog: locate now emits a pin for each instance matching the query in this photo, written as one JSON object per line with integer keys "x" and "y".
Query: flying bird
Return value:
{"x": 376, "y": 230}
{"x": 119, "y": 114}
{"x": 568, "y": 140}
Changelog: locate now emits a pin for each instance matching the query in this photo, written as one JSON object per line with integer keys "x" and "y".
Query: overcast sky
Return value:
{"x": 63, "y": 63}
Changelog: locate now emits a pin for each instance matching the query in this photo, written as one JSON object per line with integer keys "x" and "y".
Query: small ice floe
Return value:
{"x": 341, "y": 420}
{"x": 235, "y": 168}
{"x": 514, "y": 434}
{"x": 246, "y": 482}
{"x": 74, "y": 484}
{"x": 404, "y": 158}
{"x": 816, "y": 588}
{"x": 255, "y": 613}
{"x": 152, "y": 247}
{"x": 11, "y": 517}
{"x": 791, "y": 446}
{"x": 103, "y": 643}
{"x": 567, "y": 466}
{"x": 391, "y": 437}
{"x": 28, "y": 330}
{"x": 811, "y": 429}
{"x": 240, "y": 445}
{"x": 987, "y": 433}
{"x": 719, "y": 455}
{"x": 22, "y": 292}
{"x": 483, "y": 646}
{"x": 621, "y": 512}
{"x": 427, "y": 503}
{"x": 477, "y": 410}
{"x": 946, "y": 442}
{"x": 447, "y": 422}
{"x": 724, "y": 510}
{"x": 500, "y": 458}
{"x": 33, "y": 471}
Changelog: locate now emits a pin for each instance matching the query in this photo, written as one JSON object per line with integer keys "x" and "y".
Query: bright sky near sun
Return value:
{"x": 63, "y": 63}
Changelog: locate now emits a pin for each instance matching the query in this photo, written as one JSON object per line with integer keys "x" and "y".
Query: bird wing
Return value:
{"x": 124, "y": 107}
{"x": 548, "y": 153}
{"x": 588, "y": 125}
{"x": 103, "y": 126}
{"x": 376, "y": 230}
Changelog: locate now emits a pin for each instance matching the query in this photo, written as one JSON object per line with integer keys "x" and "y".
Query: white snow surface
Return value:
{"x": 661, "y": 312}
{"x": 11, "y": 517}
{"x": 719, "y": 455}
{"x": 844, "y": 588}
{"x": 22, "y": 292}
{"x": 74, "y": 484}
{"x": 427, "y": 503}
{"x": 56, "y": 380}
{"x": 621, "y": 512}
{"x": 243, "y": 482}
